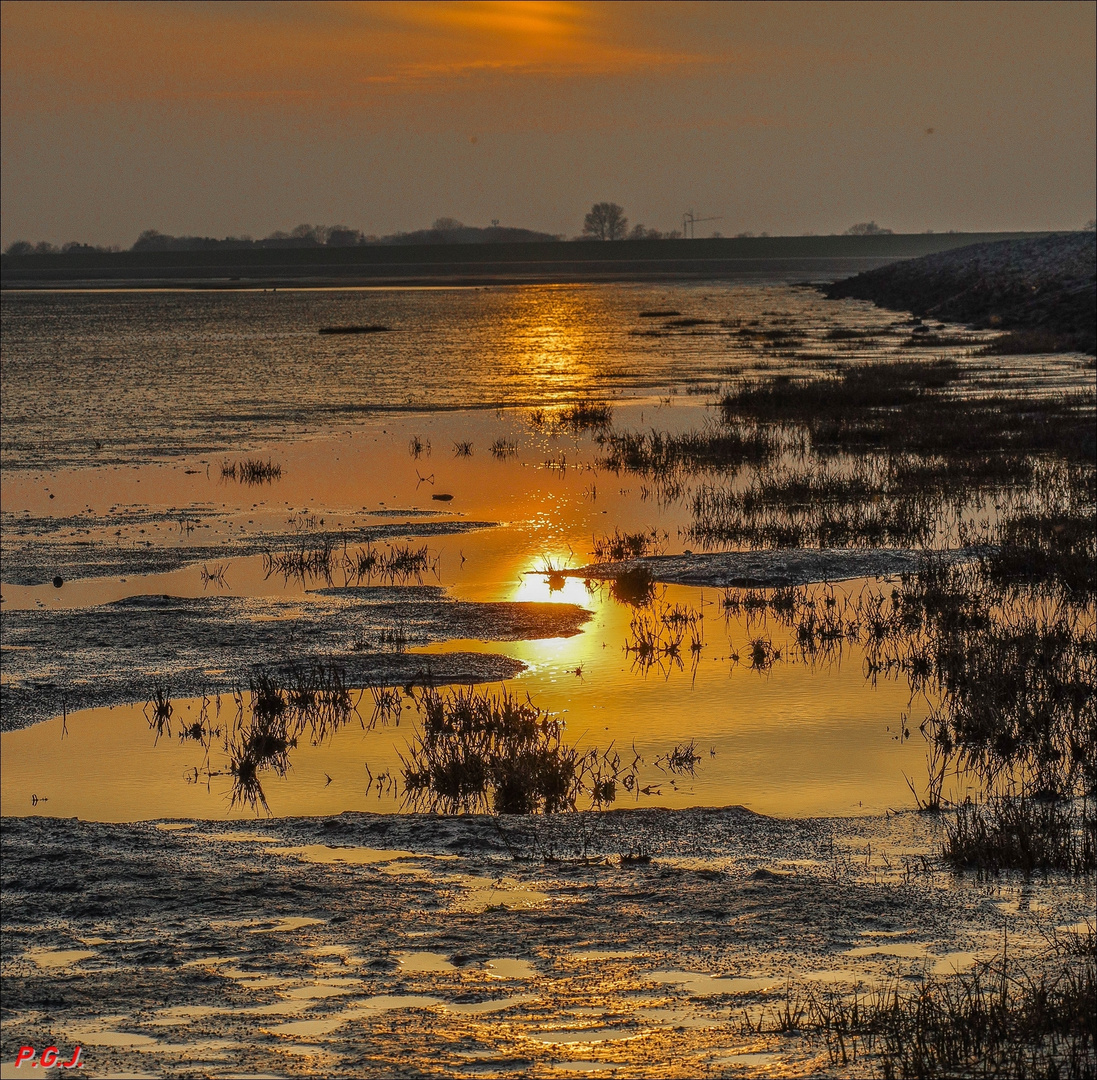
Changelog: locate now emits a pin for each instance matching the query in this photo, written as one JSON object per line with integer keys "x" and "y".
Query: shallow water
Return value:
{"x": 119, "y": 409}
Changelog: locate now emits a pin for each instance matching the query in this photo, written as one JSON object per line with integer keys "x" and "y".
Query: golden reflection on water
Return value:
{"x": 790, "y": 741}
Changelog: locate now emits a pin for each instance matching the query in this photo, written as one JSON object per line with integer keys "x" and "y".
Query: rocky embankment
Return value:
{"x": 1043, "y": 290}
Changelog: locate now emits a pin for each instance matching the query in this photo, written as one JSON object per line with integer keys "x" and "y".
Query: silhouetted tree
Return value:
{"x": 343, "y": 236}
{"x": 606, "y": 221}
{"x": 640, "y": 233}
{"x": 867, "y": 228}
{"x": 20, "y": 247}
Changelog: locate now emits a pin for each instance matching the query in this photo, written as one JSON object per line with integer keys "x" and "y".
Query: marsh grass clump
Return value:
{"x": 214, "y": 575}
{"x": 285, "y": 704}
{"x": 501, "y": 449}
{"x": 659, "y": 453}
{"x": 1056, "y": 549}
{"x": 251, "y": 471}
{"x": 620, "y": 546}
{"x": 158, "y": 710}
{"x": 462, "y": 448}
{"x": 578, "y": 417}
{"x": 397, "y": 562}
{"x": 1022, "y": 833}
{"x": 479, "y": 752}
{"x": 1030, "y": 343}
{"x": 657, "y": 633}
{"x": 866, "y": 502}
{"x": 681, "y": 759}
{"x": 304, "y": 561}
{"x": 388, "y": 704}
{"x": 999, "y": 1020}
{"x": 901, "y": 406}
{"x": 633, "y": 586}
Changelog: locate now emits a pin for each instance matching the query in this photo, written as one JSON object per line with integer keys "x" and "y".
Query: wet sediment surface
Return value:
{"x": 122, "y": 652}
{"x": 381, "y": 945}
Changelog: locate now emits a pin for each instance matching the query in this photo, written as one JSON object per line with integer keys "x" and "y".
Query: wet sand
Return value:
{"x": 419, "y": 946}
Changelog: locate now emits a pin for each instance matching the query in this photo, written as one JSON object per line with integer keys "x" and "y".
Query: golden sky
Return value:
{"x": 219, "y": 118}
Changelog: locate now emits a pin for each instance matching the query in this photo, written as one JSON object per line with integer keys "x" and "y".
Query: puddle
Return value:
{"x": 709, "y": 985}
{"x": 680, "y": 1018}
{"x": 425, "y": 962}
{"x": 954, "y": 962}
{"x": 286, "y": 924}
{"x": 911, "y": 950}
{"x": 183, "y": 1014}
{"x": 253, "y": 979}
{"x": 240, "y": 838}
{"x": 584, "y": 1066}
{"x": 587, "y": 1036}
{"x": 746, "y": 1059}
{"x": 837, "y": 976}
{"x": 606, "y": 954}
{"x": 310, "y": 1028}
{"x": 174, "y": 826}
{"x": 388, "y": 1002}
{"x": 482, "y": 894}
{"x": 58, "y": 958}
{"x": 94, "y": 1035}
{"x": 319, "y": 991}
{"x": 511, "y": 969}
{"x": 357, "y": 856}
{"x": 1085, "y": 926}
{"x": 482, "y": 1008}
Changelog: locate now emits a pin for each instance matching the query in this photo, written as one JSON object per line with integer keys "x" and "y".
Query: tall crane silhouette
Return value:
{"x": 690, "y": 220}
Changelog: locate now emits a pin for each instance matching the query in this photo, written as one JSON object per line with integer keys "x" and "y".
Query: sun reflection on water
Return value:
{"x": 538, "y": 585}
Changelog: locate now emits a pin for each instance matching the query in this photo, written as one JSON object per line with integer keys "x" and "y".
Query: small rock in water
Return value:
{"x": 58, "y": 581}
{"x": 442, "y": 498}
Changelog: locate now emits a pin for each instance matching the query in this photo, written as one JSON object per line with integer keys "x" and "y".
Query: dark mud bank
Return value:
{"x": 770, "y": 569}
{"x": 1044, "y": 285}
{"x": 33, "y": 554}
{"x": 228, "y": 954}
{"x": 125, "y": 651}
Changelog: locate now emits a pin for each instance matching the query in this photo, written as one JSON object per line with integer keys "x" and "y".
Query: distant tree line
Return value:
{"x": 43, "y": 247}
{"x": 605, "y": 221}
{"x": 443, "y": 231}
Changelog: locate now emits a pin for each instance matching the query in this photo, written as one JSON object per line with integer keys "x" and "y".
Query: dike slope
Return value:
{"x": 1044, "y": 289}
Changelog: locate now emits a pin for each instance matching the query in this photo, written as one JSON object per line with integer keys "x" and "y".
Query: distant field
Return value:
{"x": 786, "y": 257}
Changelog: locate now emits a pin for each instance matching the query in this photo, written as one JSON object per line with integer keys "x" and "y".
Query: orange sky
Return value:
{"x": 246, "y": 117}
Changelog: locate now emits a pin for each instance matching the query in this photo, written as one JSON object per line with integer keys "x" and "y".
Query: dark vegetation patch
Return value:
{"x": 617, "y": 546}
{"x": 893, "y": 405}
{"x": 578, "y": 417}
{"x": 501, "y": 449}
{"x": 1012, "y": 832}
{"x": 931, "y": 340}
{"x": 662, "y": 636}
{"x": 634, "y": 586}
{"x": 688, "y": 321}
{"x": 481, "y": 752}
{"x": 251, "y": 471}
{"x": 660, "y": 453}
{"x": 1001, "y": 1020}
{"x": 1029, "y": 343}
